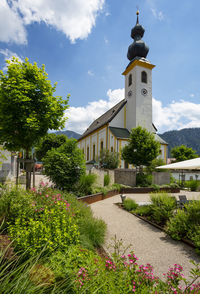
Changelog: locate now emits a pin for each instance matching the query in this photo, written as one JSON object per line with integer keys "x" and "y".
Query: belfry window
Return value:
{"x": 144, "y": 77}
{"x": 130, "y": 80}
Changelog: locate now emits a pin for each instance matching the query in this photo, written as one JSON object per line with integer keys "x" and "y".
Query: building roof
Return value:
{"x": 104, "y": 119}
{"x": 160, "y": 140}
{"x": 121, "y": 133}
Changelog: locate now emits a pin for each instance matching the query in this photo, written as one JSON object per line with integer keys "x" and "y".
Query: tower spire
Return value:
{"x": 138, "y": 48}
{"x": 137, "y": 13}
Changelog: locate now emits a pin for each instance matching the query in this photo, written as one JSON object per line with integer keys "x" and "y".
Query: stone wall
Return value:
{"x": 100, "y": 176}
{"x": 161, "y": 178}
{"x": 125, "y": 177}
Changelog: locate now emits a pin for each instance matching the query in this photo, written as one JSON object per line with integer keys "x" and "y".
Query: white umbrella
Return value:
{"x": 183, "y": 165}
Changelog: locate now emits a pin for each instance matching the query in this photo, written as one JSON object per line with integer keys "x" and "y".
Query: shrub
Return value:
{"x": 108, "y": 159}
{"x": 130, "y": 204}
{"x": 144, "y": 210}
{"x": 92, "y": 232}
{"x": 85, "y": 184}
{"x": 106, "y": 180}
{"x": 192, "y": 185}
{"x": 143, "y": 180}
{"x": 65, "y": 165}
{"x": 177, "y": 227}
{"x": 163, "y": 207}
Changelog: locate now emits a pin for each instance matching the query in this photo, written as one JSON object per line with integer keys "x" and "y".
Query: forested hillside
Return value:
{"x": 188, "y": 137}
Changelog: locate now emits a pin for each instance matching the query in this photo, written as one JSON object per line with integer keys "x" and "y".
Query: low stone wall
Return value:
{"x": 100, "y": 173}
{"x": 125, "y": 176}
{"x": 161, "y": 178}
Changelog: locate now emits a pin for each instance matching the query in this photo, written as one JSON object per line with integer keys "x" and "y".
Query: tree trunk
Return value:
{"x": 28, "y": 182}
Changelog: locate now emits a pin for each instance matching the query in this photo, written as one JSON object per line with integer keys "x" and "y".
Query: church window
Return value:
{"x": 101, "y": 145}
{"x": 88, "y": 153}
{"x": 94, "y": 152}
{"x": 83, "y": 150}
{"x": 130, "y": 80}
{"x": 144, "y": 77}
{"x": 111, "y": 149}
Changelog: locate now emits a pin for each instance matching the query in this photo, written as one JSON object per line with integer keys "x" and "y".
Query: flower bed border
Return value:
{"x": 89, "y": 199}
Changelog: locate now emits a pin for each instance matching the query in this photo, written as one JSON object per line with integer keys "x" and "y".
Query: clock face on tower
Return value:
{"x": 144, "y": 92}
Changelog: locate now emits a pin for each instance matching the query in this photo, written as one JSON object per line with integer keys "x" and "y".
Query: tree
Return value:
{"x": 142, "y": 147}
{"x": 183, "y": 152}
{"x": 108, "y": 159}
{"x": 28, "y": 108}
{"x": 155, "y": 163}
{"x": 65, "y": 165}
{"x": 47, "y": 143}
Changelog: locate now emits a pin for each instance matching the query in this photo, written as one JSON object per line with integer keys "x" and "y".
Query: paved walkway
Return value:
{"x": 148, "y": 243}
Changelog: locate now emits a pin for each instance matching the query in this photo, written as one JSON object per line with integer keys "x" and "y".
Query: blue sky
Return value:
{"x": 83, "y": 44}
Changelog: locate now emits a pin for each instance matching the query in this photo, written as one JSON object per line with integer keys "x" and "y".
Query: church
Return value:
{"x": 111, "y": 130}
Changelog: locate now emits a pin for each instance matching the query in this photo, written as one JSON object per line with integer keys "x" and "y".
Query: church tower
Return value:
{"x": 138, "y": 82}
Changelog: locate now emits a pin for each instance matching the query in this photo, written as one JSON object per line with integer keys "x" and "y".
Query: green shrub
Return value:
{"x": 192, "y": 185}
{"x": 193, "y": 211}
{"x": 65, "y": 165}
{"x": 143, "y": 180}
{"x": 106, "y": 180}
{"x": 163, "y": 207}
{"x": 85, "y": 184}
{"x": 93, "y": 232}
{"x": 50, "y": 227}
{"x": 144, "y": 210}
{"x": 178, "y": 225}
{"x": 130, "y": 204}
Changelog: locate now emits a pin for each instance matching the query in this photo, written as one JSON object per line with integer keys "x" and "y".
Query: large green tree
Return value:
{"x": 47, "y": 143}
{"x": 28, "y": 107}
{"x": 65, "y": 165}
{"x": 142, "y": 147}
{"x": 181, "y": 153}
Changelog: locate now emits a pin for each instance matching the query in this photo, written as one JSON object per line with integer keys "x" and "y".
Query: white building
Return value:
{"x": 111, "y": 131}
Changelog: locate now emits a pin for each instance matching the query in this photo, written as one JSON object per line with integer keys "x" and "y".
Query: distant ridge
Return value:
{"x": 69, "y": 134}
{"x": 189, "y": 137}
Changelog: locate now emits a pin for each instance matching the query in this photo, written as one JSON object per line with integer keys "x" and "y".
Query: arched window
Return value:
{"x": 93, "y": 152}
{"x": 144, "y": 77}
{"x": 101, "y": 145}
{"x": 111, "y": 149}
{"x": 88, "y": 153}
{"x": 130, "y": 80}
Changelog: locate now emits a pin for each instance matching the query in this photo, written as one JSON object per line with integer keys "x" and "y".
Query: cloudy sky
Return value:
{"x": 83, "y": 44}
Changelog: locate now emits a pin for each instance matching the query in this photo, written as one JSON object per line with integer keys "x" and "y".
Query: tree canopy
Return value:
{"x": 181, "y": 153}
{"x": 28, "y": 107}
{"x": 47, "y": 143}
{"x": 142, "y": 147}
{"x": 65, "y": 165}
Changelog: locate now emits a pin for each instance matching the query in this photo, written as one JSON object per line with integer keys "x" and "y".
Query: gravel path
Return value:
{"x": 148, "y": 243}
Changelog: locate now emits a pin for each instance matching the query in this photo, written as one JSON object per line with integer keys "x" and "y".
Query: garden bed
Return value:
{"x": 120, "y": 205}
{"x": 89, "y": 199}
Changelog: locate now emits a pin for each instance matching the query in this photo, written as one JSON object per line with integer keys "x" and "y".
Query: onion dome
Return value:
{"x": 138, "y": 48}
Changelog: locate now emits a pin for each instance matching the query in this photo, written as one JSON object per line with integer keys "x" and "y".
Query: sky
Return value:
{"x": 83, "y": 44}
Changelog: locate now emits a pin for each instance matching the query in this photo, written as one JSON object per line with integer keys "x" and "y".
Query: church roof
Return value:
{"x": 121, "y": 133}
{"x": 160, "y": 140}
{"x": 104, "y": 119}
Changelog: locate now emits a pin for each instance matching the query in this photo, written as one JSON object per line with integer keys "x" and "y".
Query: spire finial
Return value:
{"x": 137, "y": 13}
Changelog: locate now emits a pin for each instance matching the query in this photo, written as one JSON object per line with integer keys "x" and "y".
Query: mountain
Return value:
{"x": 189, "y": 137}
{"x": 69, "y": 134}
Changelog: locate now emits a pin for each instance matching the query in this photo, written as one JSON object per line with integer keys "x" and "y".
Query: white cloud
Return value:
{"x": 157, "y": 14}
{"x": 106, "y": 40}
{"x": 81, "y": 117}
{"x": 74, "y": 18}
{"x": 11, "y": 25}
{"x": 192, "y": 95}
{"x": 90, "y": 73}
{"x": 8, "y": 56}
{"x": 176, "y": 115}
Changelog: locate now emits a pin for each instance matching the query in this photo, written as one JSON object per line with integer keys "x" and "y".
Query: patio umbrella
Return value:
{"x": 190, "y": 164}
